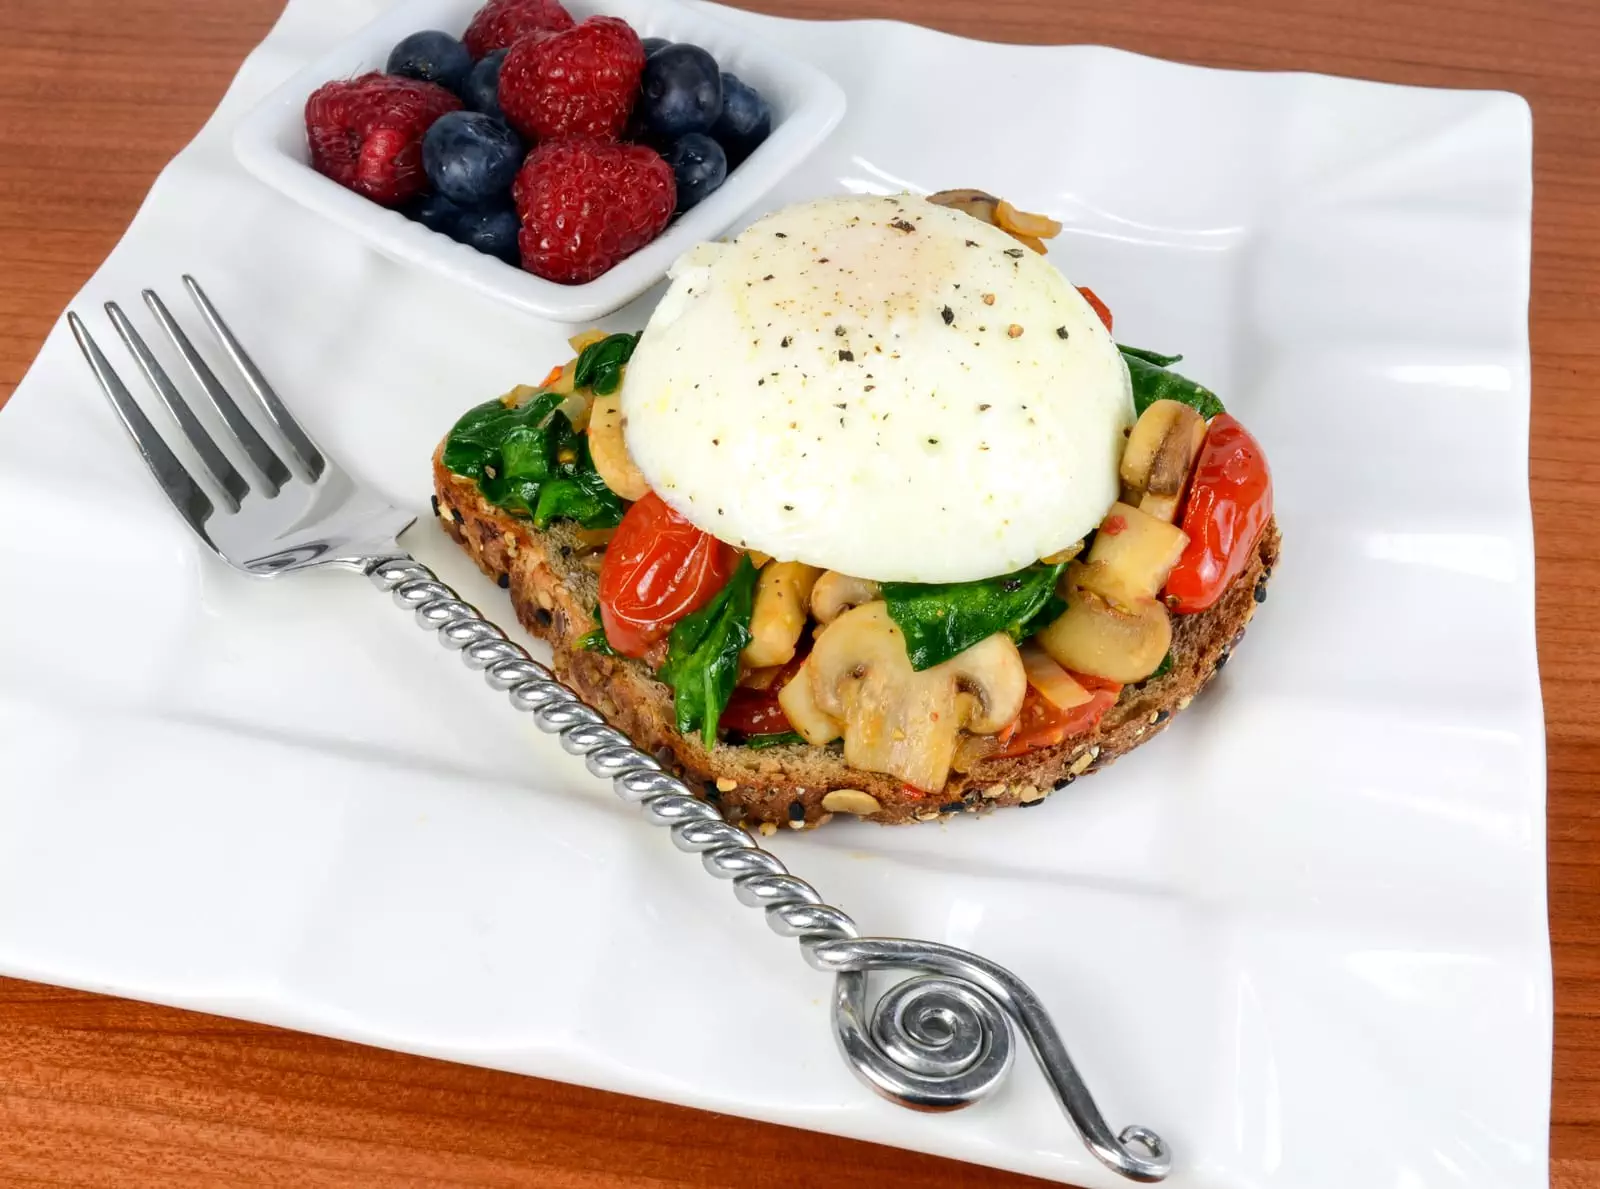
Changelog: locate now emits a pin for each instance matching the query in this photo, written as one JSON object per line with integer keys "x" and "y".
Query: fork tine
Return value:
{"x": 181, "y": 489}
{"x": 254, "y": 445}
{"x": 299, "y": 441}
{"x": 234, "y": 488}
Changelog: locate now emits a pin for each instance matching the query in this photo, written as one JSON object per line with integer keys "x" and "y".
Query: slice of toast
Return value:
{"x": 555, "y": 596}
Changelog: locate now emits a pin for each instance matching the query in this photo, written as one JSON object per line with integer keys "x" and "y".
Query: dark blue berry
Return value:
{"x": 745, "y": 122}
{"x": 435, "y": 212}
{"x": 681, "y": 91}
{"x": 652, "y": 44}
{"x": 432, "y": 56}
{"x": 699, "y": 165}
{"x": 471, "y": 158}
{"x": 492, "y": 230}
{"x": 481, "y": 91}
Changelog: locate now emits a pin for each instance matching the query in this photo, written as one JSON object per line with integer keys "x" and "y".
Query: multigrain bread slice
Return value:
{"x": 555, "y": 595}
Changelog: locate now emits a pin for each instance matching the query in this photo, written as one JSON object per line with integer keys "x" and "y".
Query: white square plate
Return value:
{"x": 806, "y": 105}
{"x": 1302, "y": 934}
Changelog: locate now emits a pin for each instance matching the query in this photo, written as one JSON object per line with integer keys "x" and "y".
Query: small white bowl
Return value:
{"x": 806, "y": 105}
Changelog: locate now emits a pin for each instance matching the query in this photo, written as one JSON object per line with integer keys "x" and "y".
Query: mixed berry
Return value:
{"x": 557, "y": 145}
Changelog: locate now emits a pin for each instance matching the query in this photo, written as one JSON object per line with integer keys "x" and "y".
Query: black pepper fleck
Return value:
{"x": 788, "y": 507}
{"x": 786, "y": 341}
{"x": 1014, "y": 253}
{"x": 933, "y": 441}
{"x": 1061, "y": 332}
{"x": 768, "y": 277}
{"x": 847, "y": 356}
{"x": 903, "y": 225}
{"x": 948, "y": 315}
{"x": 984, "y": 408}
{"x": 1011, "y": 585}
{"x": 972, "y": 243}
{"x": 781, "y": 234}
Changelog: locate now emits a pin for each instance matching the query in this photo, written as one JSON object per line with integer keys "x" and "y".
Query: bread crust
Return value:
{"x": 554, "y": 594}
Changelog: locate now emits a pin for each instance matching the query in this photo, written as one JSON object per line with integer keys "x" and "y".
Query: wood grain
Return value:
{"x": 96, "y": 95}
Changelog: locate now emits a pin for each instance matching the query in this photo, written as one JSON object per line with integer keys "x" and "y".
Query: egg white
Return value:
{"x": 879, "y": 386}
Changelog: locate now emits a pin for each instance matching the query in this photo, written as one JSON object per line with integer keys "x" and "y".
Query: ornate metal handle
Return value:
{"x": 938, "y": 1040}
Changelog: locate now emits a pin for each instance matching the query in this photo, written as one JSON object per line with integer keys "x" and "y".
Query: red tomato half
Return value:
{"x": 1042, "y": 724}
{"x": 1097, "y": 305}
{"x": 756, "y": 711}
{"x": 657, "y": 569}
{"x": 1230, "y": 502}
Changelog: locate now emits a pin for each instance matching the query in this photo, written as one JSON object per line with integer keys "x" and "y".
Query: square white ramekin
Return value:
{"x": 270, "y": 142}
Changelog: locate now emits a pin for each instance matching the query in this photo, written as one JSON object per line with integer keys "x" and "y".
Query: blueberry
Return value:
{"x": 481, "y": 91}
{"x": 435, "y": 212}
{"x": 492, "y": 230}
{"x": 471, "y": 158}
{"x": 432, "y": 56}
{"x": 699, "y": 165}
{"x": 681, "y": 91}
{"x": 745, "y": 121}
{"x": 652, "y": 44}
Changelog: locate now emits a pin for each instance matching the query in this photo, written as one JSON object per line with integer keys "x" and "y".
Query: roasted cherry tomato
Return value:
{"x": 1097, "y": 305}
{"x": 1042, "y": 724}
{"x": 657, "y": 569}
{"x": 1230, "y": 502}
{"x": 756, "y": 711}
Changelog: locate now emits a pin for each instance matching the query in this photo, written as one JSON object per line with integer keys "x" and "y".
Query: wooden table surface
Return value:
{"x": 96, "y": 95}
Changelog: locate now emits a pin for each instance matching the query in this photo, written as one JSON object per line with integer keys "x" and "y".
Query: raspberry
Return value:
{"x": 502, "y": 23}
{"x": 586, "y": 204}
{"x": 578, "y": 83}
{"x": 366, "y": 133}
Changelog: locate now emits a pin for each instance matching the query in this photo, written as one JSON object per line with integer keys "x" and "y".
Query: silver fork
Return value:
{"x": 939, "y": 1039}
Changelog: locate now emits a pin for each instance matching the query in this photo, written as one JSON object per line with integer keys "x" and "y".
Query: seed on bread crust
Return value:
{"x": 851, "y": 801}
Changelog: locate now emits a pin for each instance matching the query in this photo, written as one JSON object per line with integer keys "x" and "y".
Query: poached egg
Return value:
{"x": 879, "y": 386}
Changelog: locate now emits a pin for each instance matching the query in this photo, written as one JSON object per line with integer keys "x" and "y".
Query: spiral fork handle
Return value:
{"x": 937, "y": 1040}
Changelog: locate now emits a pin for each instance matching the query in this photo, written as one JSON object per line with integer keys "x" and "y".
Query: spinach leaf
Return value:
{"x": 939, "y": 621}
{"x": 531, "y": 462}
{"x": 600, "y": 365}
{"x": 702, "y": 664}
{"x": 780, "y": 739}
{"x": 1163, "y": 668}
{"x": 1155, "y": 357}
{"x": 576, "y": 491}
{"x": 1042, "y": 618}
{"x": 596, "y": 641}
{"x": 1153, "y": 382}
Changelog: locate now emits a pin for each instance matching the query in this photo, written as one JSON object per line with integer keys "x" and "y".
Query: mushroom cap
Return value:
{"x": 882, "y": 387}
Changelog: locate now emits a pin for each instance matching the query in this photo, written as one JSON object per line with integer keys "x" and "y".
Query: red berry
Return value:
{"x": 500, "y": 24}
{"x": 578, "y": 83}
{"x": 366, "y": 133}
{"x": 586, "y": 204}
